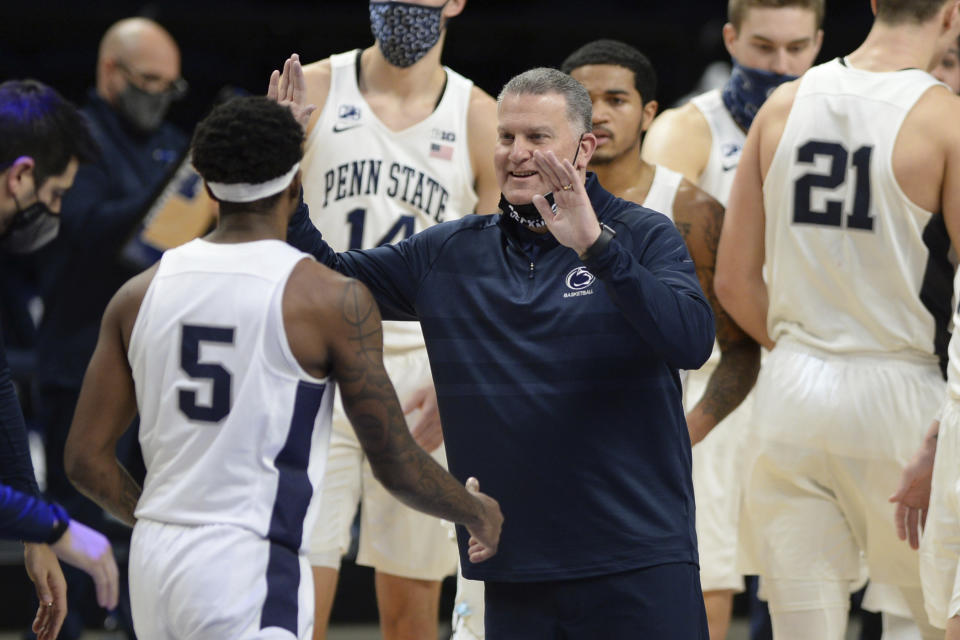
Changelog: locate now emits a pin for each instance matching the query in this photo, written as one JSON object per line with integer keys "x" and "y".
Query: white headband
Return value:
{"x": 247, "y": 192}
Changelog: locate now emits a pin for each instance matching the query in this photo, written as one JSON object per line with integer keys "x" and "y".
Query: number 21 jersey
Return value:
{"x": 367, "y": 185}
{"x": 853, "y": 266}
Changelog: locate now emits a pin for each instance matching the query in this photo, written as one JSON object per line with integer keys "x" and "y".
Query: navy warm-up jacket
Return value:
{"x": 557, "y": 379}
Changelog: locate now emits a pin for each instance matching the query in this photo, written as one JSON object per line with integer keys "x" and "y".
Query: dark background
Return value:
{"x": 238, "y": 42}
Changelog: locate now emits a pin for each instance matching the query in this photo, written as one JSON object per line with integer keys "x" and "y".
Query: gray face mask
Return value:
{"x": 142, "y": 109}
{"x": 30, "y": 229}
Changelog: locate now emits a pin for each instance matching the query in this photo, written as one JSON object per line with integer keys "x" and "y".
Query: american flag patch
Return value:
{"x": 442, "y": 151}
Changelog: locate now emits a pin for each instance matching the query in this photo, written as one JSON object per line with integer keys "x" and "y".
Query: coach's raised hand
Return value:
{"x": 289, "y": 88}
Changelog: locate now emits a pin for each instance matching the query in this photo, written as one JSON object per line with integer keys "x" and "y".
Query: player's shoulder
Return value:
{"x": 686, "y": 120}
{"x": 316, "y": 289}
{"x": 482, "y": 115}
{"x": 679, "y": 138}
{"x": 121, "y": 313}
{"x": 936, "y": 107}
{"x": 483, "y": 108}
{"x": 782, "y": 98}
{"x": 691, "y": 197}
{"x": 318, "y": 76}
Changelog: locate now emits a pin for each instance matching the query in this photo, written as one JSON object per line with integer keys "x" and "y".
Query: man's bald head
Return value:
{"x": 136, "y": 50}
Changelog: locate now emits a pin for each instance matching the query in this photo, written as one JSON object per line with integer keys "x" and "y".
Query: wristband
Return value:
{"x": 63, "y": 522}
{"x": 600, "y": 245}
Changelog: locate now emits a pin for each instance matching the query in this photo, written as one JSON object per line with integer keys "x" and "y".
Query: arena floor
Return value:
{"x": 738, "y": 631}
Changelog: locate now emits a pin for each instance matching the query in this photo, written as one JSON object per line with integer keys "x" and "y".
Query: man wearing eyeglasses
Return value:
{"x": 137, "y": 78}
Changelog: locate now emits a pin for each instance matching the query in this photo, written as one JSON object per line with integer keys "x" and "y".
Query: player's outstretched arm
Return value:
{"x": 699, "y": 218}
{"x": 105, "y": 409}
{"x": 374, "y": 411}
{"x": 333, "y": 328}
{"x": 740, "y": 256}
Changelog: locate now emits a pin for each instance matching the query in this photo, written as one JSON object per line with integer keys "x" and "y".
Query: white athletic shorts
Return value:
{"x": 217, "y": 581}
{"x": 717, "y": 489}
{"x": 468, "y": 610}
{"x": 829, "y": 439}
{"x": 394, "y": 538}
{"x": 940, "y": 545}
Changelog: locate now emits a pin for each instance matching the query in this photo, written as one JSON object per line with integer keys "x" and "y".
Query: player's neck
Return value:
{"x": 891, "y": 48}
{"x": 626, "y": 176}
{"x": 378, "y": 76}
{"x": 249, "y": 227}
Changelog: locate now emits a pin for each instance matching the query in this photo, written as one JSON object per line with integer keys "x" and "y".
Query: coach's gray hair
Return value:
{"x": 543, "y": 80}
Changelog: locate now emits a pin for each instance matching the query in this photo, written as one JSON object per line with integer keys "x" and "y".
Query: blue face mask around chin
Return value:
{"x": 405, "y": 32}
{"x": 747, "y": 89}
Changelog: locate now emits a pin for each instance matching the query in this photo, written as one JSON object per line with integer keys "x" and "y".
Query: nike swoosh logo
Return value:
{"x": 337, "y": 128}
{"x": 730, "y": 168}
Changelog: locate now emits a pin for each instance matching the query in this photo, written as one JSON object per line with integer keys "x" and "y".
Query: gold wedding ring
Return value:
{"x": 567, "y": 187}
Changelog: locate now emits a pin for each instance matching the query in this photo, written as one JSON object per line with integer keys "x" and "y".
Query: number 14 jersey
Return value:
{"x": 367, "y": 185}
{"x": 853, "y": 266}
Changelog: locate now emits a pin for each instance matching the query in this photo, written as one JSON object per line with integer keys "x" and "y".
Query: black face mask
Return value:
{"x": 30, "y": 229}
{"x": 143, "y": 110}
{"x": 527, "y": 214}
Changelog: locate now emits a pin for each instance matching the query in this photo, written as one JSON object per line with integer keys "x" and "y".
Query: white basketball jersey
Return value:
{"x": 849, "y": 264}
{"x": 233, "y": 430}
{"x": 663, "y": 190}
{"x": 367, "y": 185}
{"x": 660, "y": 197}
{"x": 726, "y": 147}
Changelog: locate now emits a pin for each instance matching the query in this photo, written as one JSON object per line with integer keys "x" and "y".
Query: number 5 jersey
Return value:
{"x": 233, "y": 430}
{"x": 853, "y": 266}
{"x": 367, "y": 185}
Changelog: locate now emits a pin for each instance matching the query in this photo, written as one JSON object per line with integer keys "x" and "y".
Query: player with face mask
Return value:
{"x": 398, "y": 143}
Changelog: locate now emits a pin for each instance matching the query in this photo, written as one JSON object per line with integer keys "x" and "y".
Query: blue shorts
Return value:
{"x": 663, "y": 602}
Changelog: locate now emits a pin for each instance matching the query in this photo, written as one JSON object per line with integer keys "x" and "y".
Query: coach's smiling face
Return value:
{"x": 529, "y": 123}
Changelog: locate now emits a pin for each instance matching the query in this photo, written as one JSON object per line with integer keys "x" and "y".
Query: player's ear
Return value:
{"x": 453, "y": 8}
{"x": 294, "y": 189}
{"x": 729, "y": 37}
{"x": 649, "y": 113}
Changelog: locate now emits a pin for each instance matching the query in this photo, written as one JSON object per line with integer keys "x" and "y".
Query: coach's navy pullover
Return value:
{"x": 557, "y": 380}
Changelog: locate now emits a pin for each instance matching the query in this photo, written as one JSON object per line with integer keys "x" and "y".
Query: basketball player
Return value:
{"x": 229, "y": 349}
{"x": 836, "y": 200}
{"x": 770, "y": 42}
{"x": 399, "y": 143}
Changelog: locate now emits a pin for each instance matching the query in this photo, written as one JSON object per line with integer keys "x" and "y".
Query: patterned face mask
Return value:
{"x": 405, "y": 31}
{"x": 746, "y": 91}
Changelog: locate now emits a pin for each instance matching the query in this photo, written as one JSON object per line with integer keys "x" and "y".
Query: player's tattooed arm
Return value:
{"x": 105, "y": 409}
{"x": 371, "y": 403}
{"x": 700, "y": 219}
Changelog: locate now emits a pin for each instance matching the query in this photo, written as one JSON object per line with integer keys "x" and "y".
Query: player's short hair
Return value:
{"x": 620, "y": 54}
{"x": 908, "y": 11}
{"x": 36, "y": 121}
{"x": 543, "y": 81}
{"x": 247, "y": 140}
{"x": 737, "y": 9}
